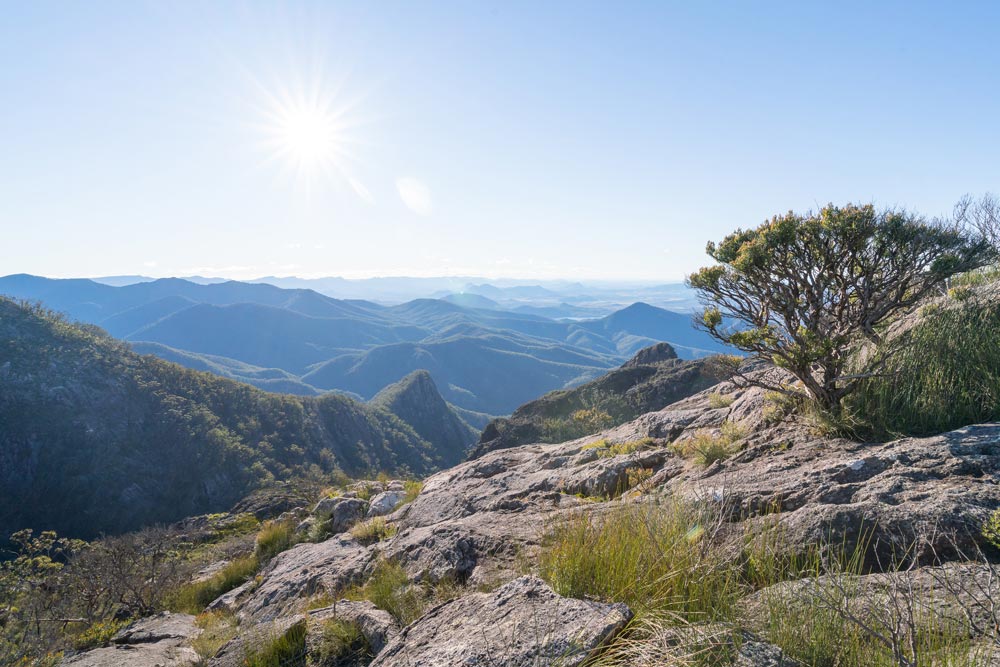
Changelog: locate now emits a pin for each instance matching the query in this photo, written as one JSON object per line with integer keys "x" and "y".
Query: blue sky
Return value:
{"x": 539, "y": 140}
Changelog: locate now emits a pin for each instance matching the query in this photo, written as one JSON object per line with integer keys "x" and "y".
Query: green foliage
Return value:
{"x": 803, "y": 290}
{"x": 606, "y": 449}
{"x": 578, "y": 424}
{"x": 97, "y": 634}
{"x": 706, "y": 447}
{"x": 652, "y": 557}
{"x": 194, "y": 597}
{"x": 273, "y": 538}
{"x": 390, "y": 589}
{"x": 373, "y": 530}
{"x": 942, "y": 374}
{"x": 172, "y": 432}
{"x": 217, "y": 628}
{"x": 412, "y": 489}
{"x": 717, "y": 400}
{"x": 991, "y": 529}
{"x": 341, "y": 644}
{"x": 278, "y": 650}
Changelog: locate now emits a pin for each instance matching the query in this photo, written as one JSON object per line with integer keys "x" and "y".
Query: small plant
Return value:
{"x": 194, "y": 597}
{"x": 991, "y": 529}
{"x": 217, "y": 628}
{"x": 389, "y": 588}
{"x": 607, "y": 449}
{"x": 273, "y": 538}
{"x": 373, "y": 530}
{"x": 279, "y": 650}
{"x": 98, "y": 634}
{"x": 342, "y": 644}
{"x": 412, "y": 489}
{"x": 706, "y": 447}
{"x": 717, "y": 400}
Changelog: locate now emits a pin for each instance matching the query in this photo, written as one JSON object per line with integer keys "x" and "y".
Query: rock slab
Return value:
{"x": 522, "y": 624}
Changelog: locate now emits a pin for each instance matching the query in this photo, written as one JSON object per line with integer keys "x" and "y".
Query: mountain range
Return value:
{"x": 484, "y": 360}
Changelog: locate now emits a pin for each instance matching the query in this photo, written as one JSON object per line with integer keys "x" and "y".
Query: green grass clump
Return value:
{"x": 342, "y": 643}
{"x": 389, "y": 588}
{"x": 652, "y": 557}
{"x": 607, "y": 449}
{"x": 194, "y": 597}
{"x": 706, "y": 447}
{"x": 717, "y": 400}
{"x": 412, "y": 489}
{"x": 373, "y": 530}
{"x": 279, "y": 650}
{"x": 273, "y": 538}
{"x": 217, "y": 628}
{"x": 942, "y": 374}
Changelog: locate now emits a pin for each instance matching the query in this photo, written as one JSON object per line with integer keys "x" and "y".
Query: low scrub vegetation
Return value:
{"x": 942, "y": 374}
{"x": 668, "y": 562}
{"x": 373, "y": 530}
{"x": 273, "y": 538}
{"x": 709, "y": 445}
{"x": 279, "y": 649}
{"x": 341, "y": 644}
{"x": 192, "y": 598}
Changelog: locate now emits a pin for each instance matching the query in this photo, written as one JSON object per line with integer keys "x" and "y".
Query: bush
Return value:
{"x": 390, "y": 589}
{"x": 194, "y": 597}
{"x": 97, "y": 634}
{"x": 373, "y": 530}
{"x": 273, "y": 538}
{"x": 280, "y": 650}
{"x": 942, "y": 374}
{"x": 341, "y": 644}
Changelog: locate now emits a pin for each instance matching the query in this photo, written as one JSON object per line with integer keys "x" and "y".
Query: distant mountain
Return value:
{"x": 97, "y": 438}
{"x": 651, "y": 380}
{"x": 415, "y": 399}
{"x": 483, "y": 359}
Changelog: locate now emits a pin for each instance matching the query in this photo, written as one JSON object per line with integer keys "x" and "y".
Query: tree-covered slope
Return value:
{"x": 651, "y": 380}
{"x": 416, "y": 400}
{"x": 98, "y": 438}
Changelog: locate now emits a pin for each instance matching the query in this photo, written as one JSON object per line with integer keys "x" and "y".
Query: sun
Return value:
{"x": 308, "y": 136}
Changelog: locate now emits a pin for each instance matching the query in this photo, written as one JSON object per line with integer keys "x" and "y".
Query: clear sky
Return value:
{"x": 534, "y": 139}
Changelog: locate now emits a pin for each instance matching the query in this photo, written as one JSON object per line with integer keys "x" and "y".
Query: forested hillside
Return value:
{"x": 98, "y": 438}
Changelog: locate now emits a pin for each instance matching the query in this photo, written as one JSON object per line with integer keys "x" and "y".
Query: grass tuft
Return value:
{"x": 273, "y": 538}
{"x": 194, "y": 597}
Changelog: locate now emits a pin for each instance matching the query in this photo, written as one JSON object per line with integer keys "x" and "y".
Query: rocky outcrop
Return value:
{"x": 651, "y": 380}
{"x": 339, "y": 514}
{"x": 159, "y": 641}
{"x": 296, "y": 574}
{"x": 522, "y": 624}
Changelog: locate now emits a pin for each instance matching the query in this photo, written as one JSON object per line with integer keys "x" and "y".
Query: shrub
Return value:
{"x": 341, "y": 644}
{"x": 802, "y": 291}
{"x": 194, "y": 597}
{"x": 373, "y": 530}
{"x": 717, "y": 400}
{"x": 273, "y": 538}
{"x": 97, "y": 634}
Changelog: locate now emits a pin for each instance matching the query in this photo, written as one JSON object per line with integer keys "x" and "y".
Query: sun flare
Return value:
{"x": 307, "y": 135}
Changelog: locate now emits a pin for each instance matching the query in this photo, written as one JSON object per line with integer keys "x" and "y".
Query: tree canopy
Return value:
{"x": 802, "y": 291}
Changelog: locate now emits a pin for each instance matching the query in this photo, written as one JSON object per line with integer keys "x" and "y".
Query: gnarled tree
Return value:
{"x": 802, "y": 291}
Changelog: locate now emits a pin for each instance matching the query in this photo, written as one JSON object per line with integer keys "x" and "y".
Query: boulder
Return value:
{"x": 158, "y": 641}
{"x": 385, "y": 502}
{"x": 521, "y": 624}
{"x": 341, "y": 513}
{"x": 294, "y": 575}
